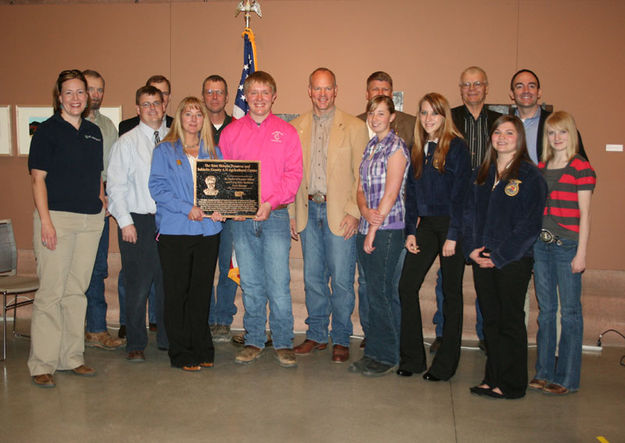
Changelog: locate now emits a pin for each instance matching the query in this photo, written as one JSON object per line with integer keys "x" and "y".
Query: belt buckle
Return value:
{"x": 318, "y": 197}
{"x": 546, "y": 236}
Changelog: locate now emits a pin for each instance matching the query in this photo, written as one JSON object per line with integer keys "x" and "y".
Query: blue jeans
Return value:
{"x": 328, "y": 258}
{"x": 439, "y": 318}
{"x": 552, "y": 274}
{"x": 222, "y": 307}
{"x": 96, "y": 302}
{"x": 262, "y": 250}
{"x": 380, "y": 269}
{"x": 363, "y": 304}
{"x": 121, "y": 296}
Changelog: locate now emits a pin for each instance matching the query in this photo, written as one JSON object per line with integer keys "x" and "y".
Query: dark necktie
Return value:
{"x": 157, "y": 138}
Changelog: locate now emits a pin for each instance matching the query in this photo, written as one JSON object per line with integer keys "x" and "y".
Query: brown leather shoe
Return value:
{"x": 44, "y": 381}
{"x": 136, "y": 356}
{"x": 554, "y": 389}
{"x": 191, "y": 368}
{"x": 84, "y": 371}
{"x": 207, "y": 364}
{"x": 102, "y": 340}
{"x": 340, "y": 354}
{"x": 308, "y": 346}
{"x": 537, "y": 384}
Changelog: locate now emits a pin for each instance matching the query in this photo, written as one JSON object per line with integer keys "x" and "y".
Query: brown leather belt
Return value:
{"x": 280, "y": 207}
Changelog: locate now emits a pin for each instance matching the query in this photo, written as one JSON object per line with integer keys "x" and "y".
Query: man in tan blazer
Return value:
{"x": 325, "y": 214}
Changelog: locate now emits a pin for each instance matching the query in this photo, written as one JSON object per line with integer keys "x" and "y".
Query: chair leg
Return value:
{"x": 4, "y": 326}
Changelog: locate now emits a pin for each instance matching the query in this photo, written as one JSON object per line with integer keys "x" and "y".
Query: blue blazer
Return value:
{"x": 507, "y": 219}
{"x": 440, "y": 194}
{"x": 171, "y": 187}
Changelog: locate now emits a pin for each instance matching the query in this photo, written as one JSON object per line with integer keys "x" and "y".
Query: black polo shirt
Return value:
{"x": 73, "y": 160}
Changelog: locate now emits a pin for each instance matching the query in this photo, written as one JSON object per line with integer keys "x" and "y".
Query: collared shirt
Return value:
{"x": 373, "y": 179}
{"x": 275, "y": 143}
{"x": 476, "y": 135}
{"x": 72, "y": 159}
{"x": 319, "y": 152}
{"x": 109, "y": 136}
{"x": 531, "y": 133}
{"x": 129, "y": 172}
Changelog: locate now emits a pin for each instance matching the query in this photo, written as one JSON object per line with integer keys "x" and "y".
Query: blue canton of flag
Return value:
{"x": 249, "y": 66}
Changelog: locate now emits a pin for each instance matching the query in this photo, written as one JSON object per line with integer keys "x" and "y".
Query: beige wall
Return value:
{"x": 574, "y": 45}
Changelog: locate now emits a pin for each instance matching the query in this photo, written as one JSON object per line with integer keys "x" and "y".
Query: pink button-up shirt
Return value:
{"x": 276, "y": 145}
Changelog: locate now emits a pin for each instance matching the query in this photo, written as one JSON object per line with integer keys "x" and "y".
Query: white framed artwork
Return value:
{"x": 112, "y": 112}
{"x": 28, "y": 120}
{"x": 5, "y": 130}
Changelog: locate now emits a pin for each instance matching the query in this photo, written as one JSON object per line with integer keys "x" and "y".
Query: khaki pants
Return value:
{"x": 58, "y": 319}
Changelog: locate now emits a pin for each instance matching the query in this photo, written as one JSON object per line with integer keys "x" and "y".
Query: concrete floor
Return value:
{"x": 317, "y": 401}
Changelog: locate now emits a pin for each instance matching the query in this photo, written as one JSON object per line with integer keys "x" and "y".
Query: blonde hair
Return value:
{"x": 564, "y": 121}
{"x": 445, "y": 134}
{"x": 206, "y": 133}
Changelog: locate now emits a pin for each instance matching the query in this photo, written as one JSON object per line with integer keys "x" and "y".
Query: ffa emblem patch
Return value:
{"x": 178, "y": 161}
{"x": 512, "y": 188}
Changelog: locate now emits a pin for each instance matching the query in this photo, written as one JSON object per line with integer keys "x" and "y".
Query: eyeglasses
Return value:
{"x": 148, "y": 105}
{"x": 467, "y": 85}
{"x": 219, "y": 92}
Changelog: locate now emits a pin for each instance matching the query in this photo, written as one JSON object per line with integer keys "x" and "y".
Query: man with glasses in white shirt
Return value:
{"x": 132, "y": 206}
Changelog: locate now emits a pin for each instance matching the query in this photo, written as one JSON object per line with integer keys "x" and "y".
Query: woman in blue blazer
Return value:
{"x": 501, "y": 220}
{"x": 188, "y": 241}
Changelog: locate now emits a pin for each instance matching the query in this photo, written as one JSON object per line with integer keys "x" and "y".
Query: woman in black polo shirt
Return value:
{"x": 65, "y": 164}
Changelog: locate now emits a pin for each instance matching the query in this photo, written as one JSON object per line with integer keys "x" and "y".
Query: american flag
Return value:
{"x": 249, "y": 66}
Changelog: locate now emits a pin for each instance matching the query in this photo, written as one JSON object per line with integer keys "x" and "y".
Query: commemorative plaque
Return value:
{"x": 230, "y": 187}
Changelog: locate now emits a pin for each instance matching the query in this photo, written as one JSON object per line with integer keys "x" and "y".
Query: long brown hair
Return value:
{"x": 520, "y": 154}
{"x": 445, "y": 134}
{"x": 206, "y": 133}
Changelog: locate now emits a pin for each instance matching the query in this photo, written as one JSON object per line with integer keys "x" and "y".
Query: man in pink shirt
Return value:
{"x": 262, "y": 243}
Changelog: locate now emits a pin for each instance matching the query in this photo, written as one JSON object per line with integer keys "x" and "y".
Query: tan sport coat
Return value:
{"x": 346, "y": 144}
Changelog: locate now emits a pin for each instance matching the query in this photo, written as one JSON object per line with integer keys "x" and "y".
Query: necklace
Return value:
{"x": 191, "y": 146}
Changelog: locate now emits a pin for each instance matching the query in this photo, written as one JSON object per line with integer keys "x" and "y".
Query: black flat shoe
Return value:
{"x": 492, "y": 394}
{"x": 430, "y": 377}
{"x": 404, "y": 373}
{"x": 479, "y": 391}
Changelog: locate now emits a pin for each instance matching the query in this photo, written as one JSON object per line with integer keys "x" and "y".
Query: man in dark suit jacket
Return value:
{"x": 473, "y": 118}
{"x": 525, "y": 91}
{"x": 380, "y": 83}
{"x": 161, "y": 83}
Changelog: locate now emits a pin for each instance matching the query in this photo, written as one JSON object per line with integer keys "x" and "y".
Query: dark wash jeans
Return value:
{"x": 383, "y": 335}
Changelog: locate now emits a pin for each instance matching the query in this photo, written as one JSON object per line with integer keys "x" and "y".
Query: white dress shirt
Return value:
{"x": 129, "y": 171}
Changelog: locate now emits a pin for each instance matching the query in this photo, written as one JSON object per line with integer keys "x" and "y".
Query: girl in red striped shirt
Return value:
{"x": 560, "y": 256}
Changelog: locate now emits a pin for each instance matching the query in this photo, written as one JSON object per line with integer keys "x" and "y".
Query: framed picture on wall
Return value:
{"x": 28, "y": 120}
{"x": 5, "y": 130}
{"x": 112, "y": 112}
{"x": 30, "y": 117}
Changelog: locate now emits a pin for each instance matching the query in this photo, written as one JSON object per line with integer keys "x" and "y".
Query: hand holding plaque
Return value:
{"x": 230, "y": 187}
